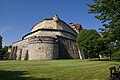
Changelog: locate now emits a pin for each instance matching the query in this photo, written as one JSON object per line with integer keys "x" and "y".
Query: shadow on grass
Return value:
{"x": 17, "y": 75}
{"x": 100, "y": 60}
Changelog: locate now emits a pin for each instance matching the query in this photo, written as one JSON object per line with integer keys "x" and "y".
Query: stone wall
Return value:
{"x": 52, "y": 34}
{"x": 42, "y": 47}
{"x": 52, "y": 24}
{"x": 49, "y": 39}
{"x": 44, "y": 33}
{"x": 67, "y": 48}
{"x": 46, "y": 24}
{"x": 62, "y": 24}
{"x": 19, "y": 49}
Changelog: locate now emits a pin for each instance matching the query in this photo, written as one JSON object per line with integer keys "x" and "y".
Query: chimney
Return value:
{"x": 56, "y": 18}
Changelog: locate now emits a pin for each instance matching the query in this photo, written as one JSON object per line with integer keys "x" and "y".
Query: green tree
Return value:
{"x": 5, "y": 53}
{"x": 88, "y": 42}
{"x": 108, "y": 11}
{"x": 0, "y": 47}
{"x": 116, "y": 56}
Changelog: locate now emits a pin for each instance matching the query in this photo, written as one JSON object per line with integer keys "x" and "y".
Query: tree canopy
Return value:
{"x": 0, "y": 42}
{"x": 0, "y": 47}
{"x": 3, "y": 51}
{"x": 88, "y": 41}
{"x": 108, "y": 11}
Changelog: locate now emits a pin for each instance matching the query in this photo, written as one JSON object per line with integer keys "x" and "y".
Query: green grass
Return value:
{"x": 55, "y": 70}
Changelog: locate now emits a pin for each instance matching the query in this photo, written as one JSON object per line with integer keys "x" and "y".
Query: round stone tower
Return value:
{"x": 42, "y": 47}
{"x": 50, "y": 38}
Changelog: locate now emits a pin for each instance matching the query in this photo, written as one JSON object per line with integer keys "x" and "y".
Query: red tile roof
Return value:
{"x": 78, "y": 26}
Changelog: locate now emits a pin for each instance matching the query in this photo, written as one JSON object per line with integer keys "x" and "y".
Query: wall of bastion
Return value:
{"x": 42, "y": 48}
{"x": 67, "y": 48}
{"x": 60, "y": 25}
{"x": 52, "y": 24}
{"x": 65, "y": 27}
{"x": 47, "y": 24}
{"x": 51, "y": 38}
{"x": 19, "y": 50}
{"x": 45, "y": 48}
{"x": 51, "y": 33}
{"x": 43, "y": 33}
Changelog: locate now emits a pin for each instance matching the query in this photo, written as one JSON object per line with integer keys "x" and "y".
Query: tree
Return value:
{"x": 116, "y": 56}
{"x": 108, "y": 11}
{"x": 5, "y": 53}
{"x": 0, "y": 47}
{"x": 88, "y": 41}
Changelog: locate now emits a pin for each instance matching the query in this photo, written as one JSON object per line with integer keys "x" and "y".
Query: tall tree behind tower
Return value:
{"x": 108, "y": 11}
{"x": 0, "y": 47}
{"x": 88, "y": 42}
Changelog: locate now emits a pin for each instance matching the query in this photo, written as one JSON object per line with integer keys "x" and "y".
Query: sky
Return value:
{"x": 18, "y": 16}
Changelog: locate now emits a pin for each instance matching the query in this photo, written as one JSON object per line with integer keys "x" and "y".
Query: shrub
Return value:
{"x": 116, "y": 56}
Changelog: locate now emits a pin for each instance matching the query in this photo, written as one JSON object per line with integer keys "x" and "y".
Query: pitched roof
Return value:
{"x": 78, "y": 26}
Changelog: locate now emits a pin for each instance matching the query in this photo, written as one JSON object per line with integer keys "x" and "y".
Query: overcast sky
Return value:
{"x": 18, "y": 16}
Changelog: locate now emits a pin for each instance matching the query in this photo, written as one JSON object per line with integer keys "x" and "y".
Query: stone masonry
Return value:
{"x": 49, "y": 39}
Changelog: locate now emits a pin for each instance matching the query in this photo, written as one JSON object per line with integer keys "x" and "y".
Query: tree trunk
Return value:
{"x": 110, "y": 55}
{"x": 88, "y": 55}
{"x": 98, "y": 56}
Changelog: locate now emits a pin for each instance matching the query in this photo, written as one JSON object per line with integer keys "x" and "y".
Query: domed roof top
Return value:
{"x": 47, "y": 23}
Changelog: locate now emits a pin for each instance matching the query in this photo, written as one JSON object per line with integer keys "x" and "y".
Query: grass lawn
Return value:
{"x": 55, "y": 70}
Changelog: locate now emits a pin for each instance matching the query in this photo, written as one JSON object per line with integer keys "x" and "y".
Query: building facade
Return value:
{"x": 49, "y": 39}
